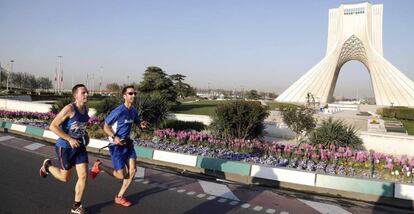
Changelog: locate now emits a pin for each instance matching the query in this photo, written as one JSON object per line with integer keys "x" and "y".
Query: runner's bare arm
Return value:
{"x": 65, "y": 113}
{"x": 110, "y": 133}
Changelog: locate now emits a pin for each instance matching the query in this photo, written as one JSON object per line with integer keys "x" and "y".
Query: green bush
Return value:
{"x": 300, "y": 120}
{"x": 281, "y": 106}
{"x": 402, "y": 113}
{"x": 178, "y": 125}
{"x": 335, "y": 132}
{"x": 106, "y": 106}
{"x": 97, "y": 132}
{"x": 153, "y": 109}
{"x": 239, "y": 119}
{"x": 60, "y": 104}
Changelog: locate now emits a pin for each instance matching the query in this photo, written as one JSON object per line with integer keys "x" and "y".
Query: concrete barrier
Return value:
{"x": 206, "y": 120}
{"x": 50, "y": 135}
{"x": 177, "y": 158}
{"x": 284, "y": 175}
{"x": 221, "y": 165}
{"x": 18, "y": 127}
{"x": 144, "y": 152}
{"x": 95, "y": 143}
{"x": 404, "y": 191}
{"x": 38, "y": 132}
{"x": 305, "y": 180}
{"x": 371, "y": 187}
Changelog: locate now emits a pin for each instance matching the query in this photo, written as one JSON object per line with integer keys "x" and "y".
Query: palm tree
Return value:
{"x": 337, "y": 133}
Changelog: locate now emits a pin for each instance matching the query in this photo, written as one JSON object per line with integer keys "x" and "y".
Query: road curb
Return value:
{"x": 384, "y": 192}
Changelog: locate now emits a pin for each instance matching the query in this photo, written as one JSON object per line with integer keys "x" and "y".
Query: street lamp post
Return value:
{"x": 8, "y": 74}
{"x": 59, "y": 77}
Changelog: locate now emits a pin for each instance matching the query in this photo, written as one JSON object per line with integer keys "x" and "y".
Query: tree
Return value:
{"x": 252, "y": 95}
{"x": 182, "y": 89}
{"x": 153, "y": 109}
{"x": 107, "y": 105}
{"x": 239, "y": 119}
{"x": 300, "y": 120}
{"x": 3, "y": 77}
{"x": 337, "y": 133}
{"x": 16, "y": 79}
{"x": 29, "y": 81}
{"x": 44, "y": 83}
{"x": 60, "y": 104}
{"x": 157, "y": 83}
{"x": 113, "y": 87}
{"x": 272, "y": 95}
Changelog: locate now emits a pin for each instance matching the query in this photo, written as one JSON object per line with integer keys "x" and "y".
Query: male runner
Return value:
{"x": 70, "y": 125}
{"x": 118, "y": 127}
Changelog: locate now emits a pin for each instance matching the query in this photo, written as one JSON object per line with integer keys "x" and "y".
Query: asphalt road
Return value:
{"x": 153, "y": 191}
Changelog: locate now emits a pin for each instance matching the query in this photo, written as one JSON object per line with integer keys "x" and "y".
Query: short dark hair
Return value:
{"x": 126, "y": 88}
{"x": 75, "y": 88}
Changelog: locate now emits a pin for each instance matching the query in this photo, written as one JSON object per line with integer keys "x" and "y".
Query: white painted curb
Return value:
{"x": 50, "y": 135}
{"x": 187, "y": 160}
{"x": 17, "y": 127}
{"x": 283, "y": 175}
{"x": 404, "y": 191}
{"x": 95, "y": 143}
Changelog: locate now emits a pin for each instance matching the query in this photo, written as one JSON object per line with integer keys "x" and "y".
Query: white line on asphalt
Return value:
{"x": 190, "y": 193}
{"x": 257, "y": 208}
{"x": 222, "y": 200}
{"x": 4, "y": 138}
{"x": 181, "y": 190}
{"x": 325, "y": 208}
{"x": 172, "y": 188}
{"x": 140, "y": 172}
{"x": 234, "y": 203}
{"x": 270, "y": 211}
{"x": 201, "y": 195}
{"x": 245, "y": 206}
{"x": 34, "y": 146}
{"x": 211, "y": 198}
{"x": 219, "y": 190}
{"x": 146, "y": 182}
{"x": 284, "y": 212}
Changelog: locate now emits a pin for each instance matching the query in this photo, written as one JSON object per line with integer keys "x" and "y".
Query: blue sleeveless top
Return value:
{"x": 74, "y": 126}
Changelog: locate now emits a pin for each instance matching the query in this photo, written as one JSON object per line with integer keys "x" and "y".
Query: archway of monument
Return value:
{"x": 353, "y": 81}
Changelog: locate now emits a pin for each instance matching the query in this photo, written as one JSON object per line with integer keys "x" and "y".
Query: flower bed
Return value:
{"x": 333, "y": 160}
{"x": 337, "y": 161}
{"x": 41, "y": 120}
{"x": 13, "y": 115}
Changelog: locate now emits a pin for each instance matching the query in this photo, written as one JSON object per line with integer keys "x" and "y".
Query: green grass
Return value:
{"x": 206, "y": 107}
{"x": 389, "y": 119}
{"x": 276, "y": 105}
{"x": 94, "y": 103}
{"x": 203, "y": 107}
{"x": 409, "y": 125}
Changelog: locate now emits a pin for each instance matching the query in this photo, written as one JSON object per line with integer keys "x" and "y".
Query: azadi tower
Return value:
{"x": 354, "y": 33}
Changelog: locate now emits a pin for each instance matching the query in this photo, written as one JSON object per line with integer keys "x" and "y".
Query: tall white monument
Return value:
{"x": 354, "y": 33}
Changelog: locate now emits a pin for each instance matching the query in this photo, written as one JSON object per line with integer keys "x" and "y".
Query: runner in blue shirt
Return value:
{"x": 70, "y": 126}
{"x": 118, "y": 127}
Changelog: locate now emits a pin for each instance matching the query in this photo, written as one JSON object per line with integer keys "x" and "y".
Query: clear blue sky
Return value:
{"x": 233, "y": 44}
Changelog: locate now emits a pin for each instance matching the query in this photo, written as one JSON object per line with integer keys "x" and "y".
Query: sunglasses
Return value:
{"x": 132, "y": 93}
